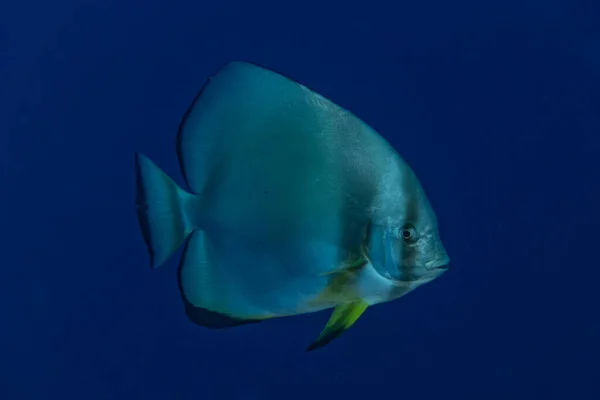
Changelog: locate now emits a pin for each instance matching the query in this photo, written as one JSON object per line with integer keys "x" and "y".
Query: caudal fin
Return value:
{"x": 163, "y": 210}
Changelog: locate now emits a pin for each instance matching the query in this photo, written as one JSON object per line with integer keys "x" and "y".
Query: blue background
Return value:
{"x": 494, "y": 104}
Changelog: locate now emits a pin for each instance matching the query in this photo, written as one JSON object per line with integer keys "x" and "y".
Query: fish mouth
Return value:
{"x": 441, "y": 263}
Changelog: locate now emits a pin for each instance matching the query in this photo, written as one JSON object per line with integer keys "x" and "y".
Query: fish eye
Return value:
{"x": 408, "y": 233}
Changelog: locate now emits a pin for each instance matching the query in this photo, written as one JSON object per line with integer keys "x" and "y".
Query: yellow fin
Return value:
{"x": 342, "y": 318}
{"x": 341, "y": 288}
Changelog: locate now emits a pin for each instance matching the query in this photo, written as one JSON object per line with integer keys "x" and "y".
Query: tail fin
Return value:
{"x": 163, "y": 211}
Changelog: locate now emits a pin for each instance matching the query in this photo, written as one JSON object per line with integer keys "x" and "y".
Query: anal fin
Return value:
{"x": 342, "y": 318}
{"x": 203, "y": 288}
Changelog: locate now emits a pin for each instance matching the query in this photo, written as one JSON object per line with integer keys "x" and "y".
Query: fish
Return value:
{"x": 293, "y": 205}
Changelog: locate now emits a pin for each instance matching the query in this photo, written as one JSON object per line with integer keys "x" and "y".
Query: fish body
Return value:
{"x": 295, "y": 205}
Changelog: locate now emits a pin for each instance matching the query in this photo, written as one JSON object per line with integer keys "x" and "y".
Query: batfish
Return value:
{"x": 293, "y": 205}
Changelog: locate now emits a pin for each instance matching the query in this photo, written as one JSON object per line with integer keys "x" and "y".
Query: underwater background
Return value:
{"x": 496, "y": 106}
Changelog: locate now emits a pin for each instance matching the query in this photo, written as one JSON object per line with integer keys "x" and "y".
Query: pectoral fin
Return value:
{"x": 342, "y": 318}
{"x": 349, "y": 266}
{"x": 356, "y": 260}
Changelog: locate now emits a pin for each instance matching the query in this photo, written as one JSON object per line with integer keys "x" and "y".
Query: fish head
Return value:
{"x": 406, "y": 248}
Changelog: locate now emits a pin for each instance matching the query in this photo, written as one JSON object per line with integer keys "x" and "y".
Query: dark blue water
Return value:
{"x": 496, "y": 105}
